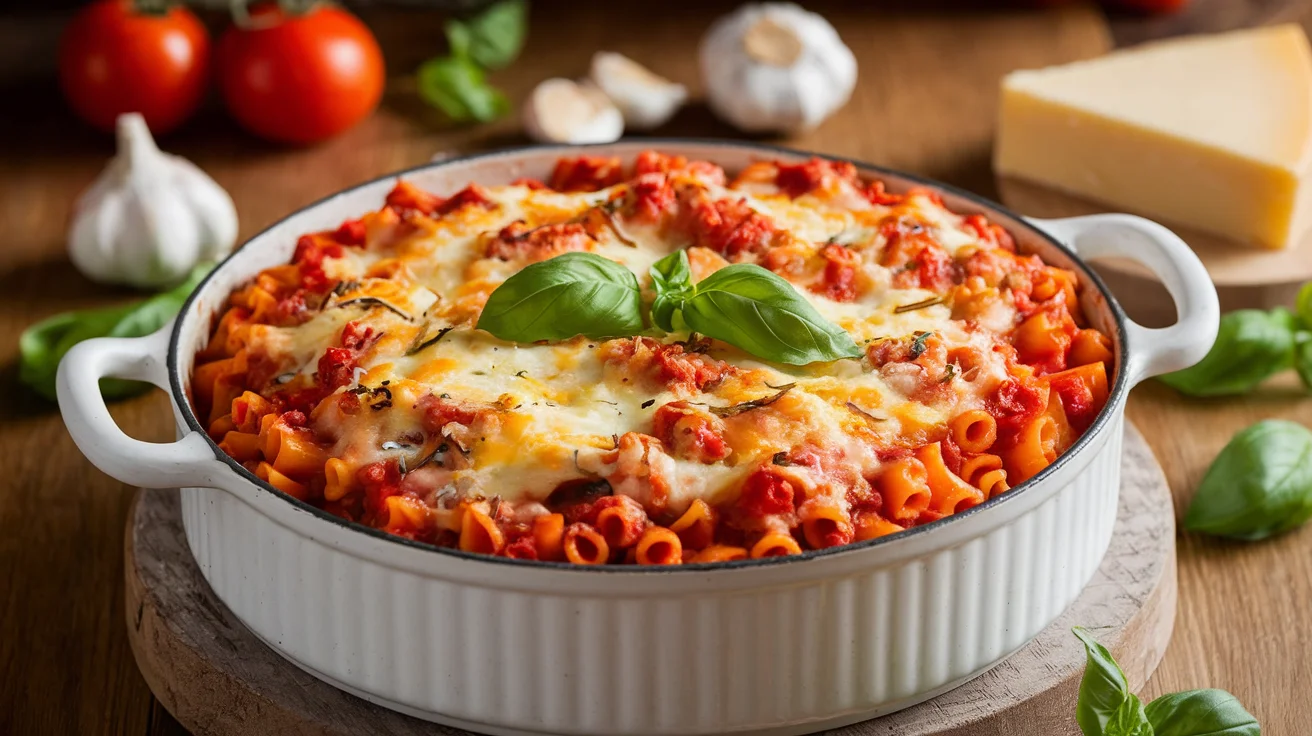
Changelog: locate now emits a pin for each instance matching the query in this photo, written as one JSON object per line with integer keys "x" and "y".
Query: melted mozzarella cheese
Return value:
{"x": 560, "y": 411}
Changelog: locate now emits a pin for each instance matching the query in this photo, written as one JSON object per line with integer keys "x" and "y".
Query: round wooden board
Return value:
{"x": 217, "y": 679}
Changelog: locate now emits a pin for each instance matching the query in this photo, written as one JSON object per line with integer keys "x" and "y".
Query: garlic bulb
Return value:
{"x": 775, "y": 67}
{"x": 645, "y": 99}
{"x": 150, "y": 216}
{"x": 562, "y": 111}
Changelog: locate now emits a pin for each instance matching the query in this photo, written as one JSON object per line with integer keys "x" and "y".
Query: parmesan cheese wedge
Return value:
{"x": 1212, "y": 132}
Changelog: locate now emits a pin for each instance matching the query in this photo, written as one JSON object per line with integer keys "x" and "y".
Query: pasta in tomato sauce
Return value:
{"x": 353, "y": 377}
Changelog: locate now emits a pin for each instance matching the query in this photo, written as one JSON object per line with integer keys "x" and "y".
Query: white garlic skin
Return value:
{"x": 150, "y": 216}
{"x": 791, "y": 97}
{"x": 563, "y": 111}
{"x": 645, "y": 99}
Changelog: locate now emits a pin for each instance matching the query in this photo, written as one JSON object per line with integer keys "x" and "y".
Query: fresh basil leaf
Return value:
{"x": 672, "y": 273}
{"x": 456, "y": 86}
{"x": 1304, "y": 305}
{"x": 571, "y": 294}
{"x": 44, "y": 344}
{"x": 494, "y": 37}
{"x": 756, "y": 310}
{"x": 1303, "y": 358}
{"x": 1259, "y": 485}
{"x": 1250, "y": 347}
{"x": 156, "y": 311}
{"x": 671, "y": 278}
{"x": 458, "y": 37}
{"x": 1201, "y": 713}
{"x": 1129, "y": 719}
{"x": 1103, "y": 690}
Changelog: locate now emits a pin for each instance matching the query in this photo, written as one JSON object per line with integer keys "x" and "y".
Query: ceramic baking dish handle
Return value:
{"x": 188, "y": 462}
{"x": 1152, "y": 352}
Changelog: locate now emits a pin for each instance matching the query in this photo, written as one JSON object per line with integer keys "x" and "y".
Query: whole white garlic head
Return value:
{"x": 150, "y": 216}
{"x": 563, "y": 111}
{"x": 646, "y": 99}
{"x": 773, "y": 67}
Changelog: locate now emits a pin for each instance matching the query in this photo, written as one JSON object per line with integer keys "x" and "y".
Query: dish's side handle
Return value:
{"x": 186, "y": 463}
{"x": 1151, "y": 352}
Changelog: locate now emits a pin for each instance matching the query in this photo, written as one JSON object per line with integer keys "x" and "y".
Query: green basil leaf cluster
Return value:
{"x": 1106, "y": 707}
{"x": 585, "y": 294}
{"x": 494, "y": 37}
{"x": 562, "y": 297}
{"x": 1251, "y": 346}
{"x": 1259, "y": 485}
{"x": 748, "y": 307}
{"x": 457, "y": 84}
{"x": 42, "y": 345}
{"x": 458, "y": 87}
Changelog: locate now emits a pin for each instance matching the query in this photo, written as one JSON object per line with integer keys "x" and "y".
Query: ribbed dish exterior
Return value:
{"x": 783, "y": 653}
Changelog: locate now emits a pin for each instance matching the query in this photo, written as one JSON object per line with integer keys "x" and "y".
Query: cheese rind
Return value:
{"x": 1211, "y": 132}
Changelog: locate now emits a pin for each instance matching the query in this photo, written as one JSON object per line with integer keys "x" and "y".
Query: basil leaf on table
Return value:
{"x": 1201, "y": 713}
{"x": 1260, "y": 485}
{"x": 1129, "y": 719}
{"x": 494, "y": 37}
{"x": 42, "y": 345}
{"x": 456, "y": 86}
{"x": 1106, "y": 707}
{"x": 671, "y": 277}
{"x": 563, "y": 297}
{"x": 1105, "y": 696}
{"x": 1303, "y": 358}
{"x": 754, "y": 309}
{"x": 1303, "y": 307}
{"x": 1251, "y": 346}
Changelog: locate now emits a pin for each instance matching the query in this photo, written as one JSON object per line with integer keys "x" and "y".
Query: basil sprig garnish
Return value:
{"x": 754, "y": 309}
{"x": 1260, "y": 484}
{"x": 744, "y": 305}
{"x": 566, "y": 296}
{"x": 1106, "y": 707}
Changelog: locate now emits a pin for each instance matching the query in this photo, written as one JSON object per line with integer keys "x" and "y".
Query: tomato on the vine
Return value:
{"x": 300, "y": 78}
{"x": 116, "y": 58}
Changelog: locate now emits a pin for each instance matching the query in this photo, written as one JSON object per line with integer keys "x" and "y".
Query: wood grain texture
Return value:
{"x": 219, "y": 680}
{"x": 924, "y": 102}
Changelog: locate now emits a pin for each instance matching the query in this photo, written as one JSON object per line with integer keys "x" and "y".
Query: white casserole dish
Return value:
{"x": 785, "y": 645}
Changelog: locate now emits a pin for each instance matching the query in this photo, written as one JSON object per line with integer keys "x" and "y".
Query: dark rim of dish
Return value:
{"x": 1104, "y": 418}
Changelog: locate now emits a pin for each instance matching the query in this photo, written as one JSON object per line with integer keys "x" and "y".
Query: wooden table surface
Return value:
{"x": 1244, "y": 621}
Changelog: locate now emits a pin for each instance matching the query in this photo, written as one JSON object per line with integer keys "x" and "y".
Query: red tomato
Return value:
{"x": 113, "y": 59}
{"x": 300, "y": 78}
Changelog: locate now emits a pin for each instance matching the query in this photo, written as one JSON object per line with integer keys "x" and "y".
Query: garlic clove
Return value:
{"x": 775, "y": 67}
{"x": 149, "y": 217}
{"x": 563, "y": 111}
{"x": 646, "y": 99}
